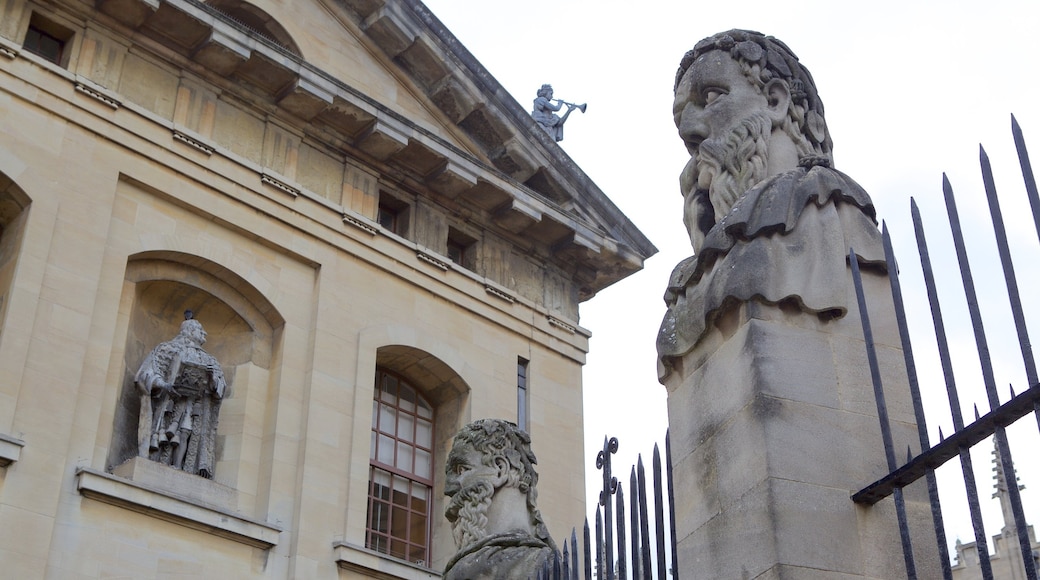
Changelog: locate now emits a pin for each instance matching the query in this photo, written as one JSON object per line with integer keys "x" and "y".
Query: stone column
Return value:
{"x": 774, "y": 426}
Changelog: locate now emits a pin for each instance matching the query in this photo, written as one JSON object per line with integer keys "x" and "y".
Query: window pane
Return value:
{"x": 379, "y": 519}
{"x": 377, "y": 543}
{"x": 425, "y": 410}
{"x": 404, "y": 456}
{"x": 385, "y": 451}
{"x": 398, "y": 549}
{"x": 407, "y": 399}
{"x": 372, "y": 448}
{"x": 387, "y": 416}
{"x": 418, "y": 553}
{"x": 420, "y": 497}
{"x": 405, "y": 427}
{"x": 423, "y": 464}
{"x": 389, "y": 389}
{"x": 381, "y": 484}
{"x": 424, "y": 434}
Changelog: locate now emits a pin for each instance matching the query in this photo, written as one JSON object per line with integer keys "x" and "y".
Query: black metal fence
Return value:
{"x": 627, "y": 544}
{"x": 999, "y": 415}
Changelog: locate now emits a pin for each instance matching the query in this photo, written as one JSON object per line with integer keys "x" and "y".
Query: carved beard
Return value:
{"x": 728, "y": 166}
{"x": 467, "y": 513}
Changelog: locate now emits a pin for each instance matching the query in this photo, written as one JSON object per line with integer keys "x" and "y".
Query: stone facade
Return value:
{"x": 332, "y": 187}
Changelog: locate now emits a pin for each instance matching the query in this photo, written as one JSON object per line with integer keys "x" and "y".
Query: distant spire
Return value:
{"x": 1001, "y": 486}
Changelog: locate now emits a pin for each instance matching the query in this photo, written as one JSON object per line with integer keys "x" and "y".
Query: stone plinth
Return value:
{"x": 774, "y": 426}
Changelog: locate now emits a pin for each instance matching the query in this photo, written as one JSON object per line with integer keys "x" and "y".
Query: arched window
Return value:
{"x": 401, "y": 471}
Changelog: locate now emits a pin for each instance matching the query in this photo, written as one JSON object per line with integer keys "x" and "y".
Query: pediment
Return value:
{"x": 392, "y": 84}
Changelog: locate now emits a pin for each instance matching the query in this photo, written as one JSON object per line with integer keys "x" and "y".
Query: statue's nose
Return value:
{"x": 692, "y": 127}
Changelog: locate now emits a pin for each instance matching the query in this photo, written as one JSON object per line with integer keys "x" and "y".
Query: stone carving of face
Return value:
{"x": 725, "y": 122}
{"x": 470, "y": 484}
{"x": 193, "y": 330}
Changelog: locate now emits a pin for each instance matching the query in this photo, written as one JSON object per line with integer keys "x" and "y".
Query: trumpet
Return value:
{"x": 580, "y": 107}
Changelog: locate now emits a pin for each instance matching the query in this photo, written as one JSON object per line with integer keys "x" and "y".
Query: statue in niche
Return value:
{"x": 181, "y": 387}
{"x": 545, "y": 112}
{"x": 769, "y": 219}
{"x": 491, "y": 483}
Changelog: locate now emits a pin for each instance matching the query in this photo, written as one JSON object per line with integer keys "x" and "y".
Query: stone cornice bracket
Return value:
{"x": 10, "y": 449}
{"x": 132, "y": 13}
{"x": 391, "y": 29}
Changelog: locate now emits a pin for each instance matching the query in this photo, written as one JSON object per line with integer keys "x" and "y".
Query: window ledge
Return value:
{"x": 185, "y": 511}
{"x": 9, "y": 49}
{"x": 10, "y": 449}
{"x": 378, "y": 565}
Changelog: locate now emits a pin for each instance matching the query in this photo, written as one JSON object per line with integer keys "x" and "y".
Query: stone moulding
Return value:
{"x": 99, "y": 96}
{"x": 276, "y": 183}
{"x": 436, "y": 262}
{"x": 163, "y": 505}
{"x": 359, "y": 224}
{"x": 8, "y": 49}
{"x": 553, "y": 321}
{"x": 10, "y": 449}
{"x": 499, "y": 294}
{"x": 191, "y": 141}
{"x": 373, "y": 564}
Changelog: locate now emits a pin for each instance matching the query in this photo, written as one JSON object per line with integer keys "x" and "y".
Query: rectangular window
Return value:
{"x": 521, "y": 393}
{"x": 387, "y": 218}
{"x": 401, "y": 470}
{"x": 462, "y": 249}
{"x": 47, "y": 39}
{"x": 392, "y": 215}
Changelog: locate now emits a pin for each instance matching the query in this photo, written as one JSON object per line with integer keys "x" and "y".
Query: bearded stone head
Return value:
{"x": 488, "y": 457}
{"x": 746, "y": 110}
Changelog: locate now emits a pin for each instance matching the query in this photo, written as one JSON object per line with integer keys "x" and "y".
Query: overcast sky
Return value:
{"x": 911, "y": 88}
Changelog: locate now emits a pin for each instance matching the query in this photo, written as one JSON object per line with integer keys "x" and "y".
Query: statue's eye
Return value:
{"x": 710, "y": 94}
{"x": 461, "y": 468}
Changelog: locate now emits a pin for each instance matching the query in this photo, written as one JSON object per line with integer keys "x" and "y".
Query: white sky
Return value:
{"x": 911, "y": 89}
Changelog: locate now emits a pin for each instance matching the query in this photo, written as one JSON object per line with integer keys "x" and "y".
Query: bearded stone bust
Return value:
{"x": 491, "y": 483}
{"x": 770, "y": 221}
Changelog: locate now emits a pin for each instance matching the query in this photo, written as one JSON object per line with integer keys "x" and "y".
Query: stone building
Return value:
{"x": 371, "y": 231}
{"x": 1005, "y": 551}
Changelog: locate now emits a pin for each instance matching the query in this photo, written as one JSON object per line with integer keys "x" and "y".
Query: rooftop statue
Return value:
{"x": 769, "y": 219}
{"x": 181, "y": 387}
{"x": 491, "y": 483}
{"x": 545, "y": 112}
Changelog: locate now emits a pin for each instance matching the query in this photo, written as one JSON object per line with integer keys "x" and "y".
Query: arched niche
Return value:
{"x": 243, "y": 331}
{"x": 256, "y": 19}
{"x": 14, "y": 205}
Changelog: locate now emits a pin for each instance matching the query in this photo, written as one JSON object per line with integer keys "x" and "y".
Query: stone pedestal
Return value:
{"x": 773, "y": 427}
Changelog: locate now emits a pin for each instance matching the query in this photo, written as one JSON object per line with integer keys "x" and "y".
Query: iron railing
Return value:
{"x": 999, "y": 416}
{"x": 637, "y": 546}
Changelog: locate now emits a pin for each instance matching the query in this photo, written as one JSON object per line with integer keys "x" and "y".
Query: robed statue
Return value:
{"x": 181, "y": 387}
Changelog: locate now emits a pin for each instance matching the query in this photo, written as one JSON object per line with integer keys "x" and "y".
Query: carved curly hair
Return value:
{"x": 764, "y": 58}
{"x": 494, "y": 438}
